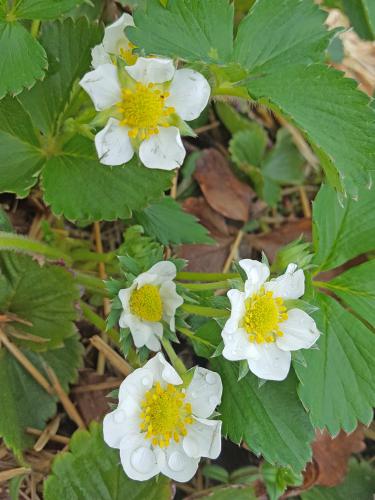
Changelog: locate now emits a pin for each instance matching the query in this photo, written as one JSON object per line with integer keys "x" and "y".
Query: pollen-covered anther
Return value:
{"x": 146, "y": 303}
{"x": 263, "y": 313}
{"x": 165, "y": 415}
{"x": 143, "y": 110}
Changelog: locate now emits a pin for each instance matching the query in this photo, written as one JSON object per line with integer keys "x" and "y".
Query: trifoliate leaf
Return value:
{"x": 262, "y": 416}
{"x": 78, "y": 186}
{"x": 332, "y": 113}
{"x": 23, "y": 402}
{"x": 42, "y": 298}
{"x": 277, "y": 34}
{"x": 356, "y": 288}
{"x": 233, "y": 120}
{"x": 338, "y": 383}
{"x": 43, "y": 9}
{"x": 166, "y": 221}
{"x": 92, "y": 470}
{"x": 20, "y": 157}
{"x": 186, "y": 29}
{"x": 22, "y": 59}
{"x": 343, "y": 228}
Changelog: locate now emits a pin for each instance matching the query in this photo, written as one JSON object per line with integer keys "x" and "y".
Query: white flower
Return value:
{"x": 159, "y": 426}
{"x": 114, "y": 43}
{"x": 261, "y": 329}
{"x": 150, "y": 299}
{"x": 145, "y": 109}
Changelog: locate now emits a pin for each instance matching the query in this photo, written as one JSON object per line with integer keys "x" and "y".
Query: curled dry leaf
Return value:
{"x": 221, "y": 188}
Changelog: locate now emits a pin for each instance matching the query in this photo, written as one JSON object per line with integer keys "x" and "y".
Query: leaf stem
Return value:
{"x": 10, "y": 241}
{"x": 98, "y": 321}
{"x": 35, "y": 25}
{"x": 174, "y": 359}
{"x": 189, "y": 276}
{"x": 210, "y": 312}
{"x": 91, "y": 283}
{"x": 189, "y": 334}
{"x": 205, "y": 286}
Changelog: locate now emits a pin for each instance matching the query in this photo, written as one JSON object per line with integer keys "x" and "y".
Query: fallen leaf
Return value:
{"x": 221, "y": 188}
{"x": 211, "y": 220}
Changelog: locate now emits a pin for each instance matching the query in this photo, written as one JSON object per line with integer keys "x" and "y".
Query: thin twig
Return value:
{"x": 103, "y": 386}
{"x": 57, "y": 438}
{"x": 47, "y": 433}
{"x": 305, "y": 202}
{"x": 233, "y": 251}
{"x": 115, "y": 359}
{"x": 6, "y": 475}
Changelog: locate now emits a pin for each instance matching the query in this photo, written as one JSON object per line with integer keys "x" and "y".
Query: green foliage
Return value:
{"x": 298, "y": 92}
{"x": 277, "y": 479}
{"x": 187, "y": 29}
{"x": 362, "y": 17}
{"x": 338, "y": 383}
{"x": 19, "y": 50}
{"x": 278, "y": 34}
{"x": 43, "y": 9}
{"x": 359, "y": 484}
{"x": 343, "y": 228}
{"x": 23, "y": 402}
{"x": 230, "y": 492}
{"x": 262, "y": 416}
{"x": 91, "y": 470}
{"x": 166, "y": 221}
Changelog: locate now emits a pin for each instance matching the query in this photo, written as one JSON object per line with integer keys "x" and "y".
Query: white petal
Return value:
{"x": 117, "y": 425}
{"x": 157, "y": 274}
{"x": 124, "y": 296}
{"x": 204, "y": 392}
{"x": 135, "y": 386}
{"x": 99, "y": 56}
{"x": 162, "y": 370}
{"x": 113, "y": 144}
{"x": 237, "y": 300}
{"x": 152, "y": 70}
{"x": 141, "y": 330}
{"x": 103, "y": 86}
{"x": 114, "y": 35}
{"x": 203, "y": 439}
{"x": 174, "y": 463}
{"x": 256, "y": 272}
{"x": 272, "y": 364}
{"x": 164, "y": 150}
{"x": 189, "y": 93}
{"x": 290, "y": 285}
{"x": 153, "y": 343}
{"x": 237, "y": 346}
{"x": 138, "y": 458}
{"x": 171, "y": 301}
{"x": 300, "y": 331}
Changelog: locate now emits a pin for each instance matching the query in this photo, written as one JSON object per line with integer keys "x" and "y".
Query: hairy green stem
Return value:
{"x": 174, "y": 359}
{"x": 91, "y": 283}
{"x": 188, "y": 276}
{"x": 34, "y": 30}
{"x": 210, "y": 312}
{"x": 189, "y": 334}
{"x": 215, "y": 285}
{"x": 98, "y": 321}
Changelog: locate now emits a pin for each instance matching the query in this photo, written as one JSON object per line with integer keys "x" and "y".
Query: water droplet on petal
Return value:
{"x": 176, "y": 461}
{"x": 210, "y": 378}
{"x": 194, "y": 394}
{"x": 143, "y": 459}
{"x": 119, "y": 416}
{"x": 146, "y": 381}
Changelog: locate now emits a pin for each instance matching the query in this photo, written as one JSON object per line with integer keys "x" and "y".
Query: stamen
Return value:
{"x": 146, "y": 303}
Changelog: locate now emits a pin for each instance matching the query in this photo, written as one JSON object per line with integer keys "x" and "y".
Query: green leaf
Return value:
{"x": 43, "y": 9}
{"x": 277, "y": 34}
{"x": 23, "y": 402}
{"x": 42, "y": 296}
{"x": 166, "y": 221}
{"x": 342, "y": 230}
{"x": 356, "y": 288}
{"x": 78, "y": 186}
{"x": 331, "y": 112}
{"x": 233, "y": 120}
{"x": 68, "y": 46}
{"x": 22, "y": 59}
{"x": 188, "y": 29}
{"x": 338, "y": 383}
{"x": 362, "y": 17}
{"x": 284, "y": 163}
{"x": 262, "y": 416}
{"x": 247, "y": 147}
{"x": 359, "y": 484}
{"x": 92, "y": 470}
{"x": 20, "y": 157}
{"x": 231, "y": 492}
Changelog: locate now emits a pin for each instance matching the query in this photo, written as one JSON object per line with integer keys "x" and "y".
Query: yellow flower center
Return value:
{"x": 262, "y": 317}
{"x": 165, "y": 415}
{"x": 146, "y": 303}
{"x": 143, "y": 110}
